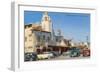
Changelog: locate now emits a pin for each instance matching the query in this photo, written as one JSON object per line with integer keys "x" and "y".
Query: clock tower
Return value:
{"x": 46, "y": 22}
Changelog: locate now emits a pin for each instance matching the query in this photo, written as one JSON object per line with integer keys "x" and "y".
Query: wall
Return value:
{"x": 5, "y": 36}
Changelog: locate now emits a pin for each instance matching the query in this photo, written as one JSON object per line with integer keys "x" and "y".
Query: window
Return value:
{"x": 30, "y": 47}
{"x": 56, "y": 40}
{"x": 30, "y": 35}
{"x": 43, "y": 37}
{"x": 25, "y": 39}
{"x": 38, "y": 38}
{"x": 48, "y": 38}
{"x": 46, "y": 18}
{"x": 30, "y": 40}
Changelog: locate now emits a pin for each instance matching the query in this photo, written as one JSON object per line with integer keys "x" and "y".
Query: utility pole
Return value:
{"x": 87, "y": 39}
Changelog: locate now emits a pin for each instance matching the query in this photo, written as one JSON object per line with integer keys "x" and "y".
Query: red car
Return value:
{"x": 86, "y": 52}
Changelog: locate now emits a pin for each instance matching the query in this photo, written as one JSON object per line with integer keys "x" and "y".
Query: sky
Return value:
{"x": 74, "y": 26}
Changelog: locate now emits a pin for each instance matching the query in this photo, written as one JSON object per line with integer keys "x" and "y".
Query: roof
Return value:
{"x": 57, "y": 46}
{"x": 38, "y": 28}
{"x": 29, "y": 25}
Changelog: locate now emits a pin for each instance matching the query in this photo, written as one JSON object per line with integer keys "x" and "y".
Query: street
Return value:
{"x": 66, "y": 58}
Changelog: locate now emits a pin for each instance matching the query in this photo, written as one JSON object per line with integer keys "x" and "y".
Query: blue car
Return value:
{"x": 74, "y": 52}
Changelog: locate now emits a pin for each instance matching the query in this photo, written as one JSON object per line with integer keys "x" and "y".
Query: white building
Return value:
{"x": 46, "y": 22}
{"x": 41, "y": 34}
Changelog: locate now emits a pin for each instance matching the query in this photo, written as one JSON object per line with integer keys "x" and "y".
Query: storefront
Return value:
{"x": 59, "y": 49}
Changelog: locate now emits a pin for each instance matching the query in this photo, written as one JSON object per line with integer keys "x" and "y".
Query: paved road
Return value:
{"x": 67, "y": 58}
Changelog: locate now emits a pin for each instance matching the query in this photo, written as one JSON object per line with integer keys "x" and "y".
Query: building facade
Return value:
{"x": 42, "y": 35}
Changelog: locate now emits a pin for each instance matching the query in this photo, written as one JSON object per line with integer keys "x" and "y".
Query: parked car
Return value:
{"x": 86, "y": 52}
{"x": 67, "y": 53}
{"x": 55, "y": 53}
{"x": 50, "y": 55}
{"x": 45, "y": 55}
{"x": 42, "y": 56}
{"x": 74, "y": 52}
{"x": 30, "y": 57}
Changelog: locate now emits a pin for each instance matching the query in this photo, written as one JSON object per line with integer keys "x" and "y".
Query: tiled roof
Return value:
{"x": 38, "y": 28}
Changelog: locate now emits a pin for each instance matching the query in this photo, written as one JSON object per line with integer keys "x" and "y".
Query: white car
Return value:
{"x": 42, "y": 56}
{"x": 45, "y": 55}
{"x": 50, "y": 55}
{"x": 66, "y": 53}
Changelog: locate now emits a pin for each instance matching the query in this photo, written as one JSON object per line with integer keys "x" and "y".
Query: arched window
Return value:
{"x": 46, "y": 18}
{"x": 48, "y": 38}
{"x": 39, "y": 38}
{"x": 25, "y": 39}
{"x": 43, "y": 37}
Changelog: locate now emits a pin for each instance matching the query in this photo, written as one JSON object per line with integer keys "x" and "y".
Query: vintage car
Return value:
{"x": 42, "y": 56}
{"x": 45, "y": 55}
{"x": 72, "y": 52}
{"x": 30, "y": 57}
{"x": 86, "y": 52}
{"x": 67, "y": 53}
{"x": 50, "y": 55}
{"x": 55, "y": 53}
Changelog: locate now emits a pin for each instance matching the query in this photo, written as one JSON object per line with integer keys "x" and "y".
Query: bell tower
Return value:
{"x": 46, "y": 22}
